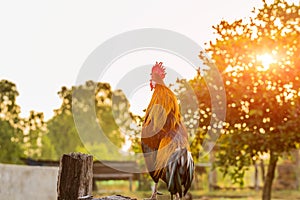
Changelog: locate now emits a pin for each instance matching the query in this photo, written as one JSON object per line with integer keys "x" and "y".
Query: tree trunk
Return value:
{"x": 262, "y": 167}
{"x": 75, "y": 176}
{"x": 212, "y": 176}
{"x": 256, "y": 184}
{"x": 270, "y": 177}
{"x": 297, "y": 163}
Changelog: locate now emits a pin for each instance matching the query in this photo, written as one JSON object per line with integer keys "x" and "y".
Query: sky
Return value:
{"x": 43, "y": 44}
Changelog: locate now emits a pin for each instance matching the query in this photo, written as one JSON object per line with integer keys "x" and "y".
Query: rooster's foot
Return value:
{"x": 151, "y": 198}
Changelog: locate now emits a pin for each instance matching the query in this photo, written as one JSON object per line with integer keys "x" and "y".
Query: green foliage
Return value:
{"x": 19, "y": 136}
{"x": 10, "y": 148}
{"x": 9, "y": 110}
{"x": 11, "y": 137}
{"x": 93, "y": 119}
{"x": 203, "y": 116}
{"x": 88, "y": 108}
{"x": 63, "y": 135}
{"x": 92, "y": 111}
{"x": 199, "y": 108}
{"x": 34, "y": 129}
{"x": 48, "y": 151}
{"x": 100, "y": 149}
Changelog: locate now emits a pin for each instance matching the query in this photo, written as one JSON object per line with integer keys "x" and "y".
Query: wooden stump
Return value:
{"x": 75, "y": 176}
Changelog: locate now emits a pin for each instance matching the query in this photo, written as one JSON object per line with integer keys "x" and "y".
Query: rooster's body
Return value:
{"x": 165, "y": 140}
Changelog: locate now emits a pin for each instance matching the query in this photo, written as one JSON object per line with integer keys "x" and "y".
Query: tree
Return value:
{"x": 9, "y": 110}
{"x": 10, "y": 149}
{"x": 61, "y": 131}
{"x": 34, "y": 129}
{"x": 92, "y": 106}
{"x": 260, "y": 65}
{"x": 48, "y": 149}
{"x": 10, "y": 132}
{"x": 86, "y": 111}
{"x": 195, "y": 108}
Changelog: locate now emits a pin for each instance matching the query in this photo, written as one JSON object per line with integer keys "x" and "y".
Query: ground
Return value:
{"x": 107, "y": 188}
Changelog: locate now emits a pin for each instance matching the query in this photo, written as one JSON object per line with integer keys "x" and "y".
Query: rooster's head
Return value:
{"x": 157, "y": 75}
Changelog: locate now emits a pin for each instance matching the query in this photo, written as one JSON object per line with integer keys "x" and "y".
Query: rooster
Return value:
{"x": 165, "y": 140}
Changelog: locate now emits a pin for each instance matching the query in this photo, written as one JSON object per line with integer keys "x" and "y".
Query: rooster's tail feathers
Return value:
{"x": 179, "y": 171}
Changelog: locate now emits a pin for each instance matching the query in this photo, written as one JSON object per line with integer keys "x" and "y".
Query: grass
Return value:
{"x": 107, "y": 188}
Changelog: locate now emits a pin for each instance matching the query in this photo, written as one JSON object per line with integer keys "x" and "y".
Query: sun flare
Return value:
{"x": 266, "y": 60}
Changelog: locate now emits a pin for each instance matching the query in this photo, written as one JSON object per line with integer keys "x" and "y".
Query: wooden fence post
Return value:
{"x": 75, "y": 176}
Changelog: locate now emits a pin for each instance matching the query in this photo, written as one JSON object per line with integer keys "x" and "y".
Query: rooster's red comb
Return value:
{"x": 160, "y": 69}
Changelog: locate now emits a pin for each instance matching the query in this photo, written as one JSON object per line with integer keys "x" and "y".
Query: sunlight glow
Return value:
{"x": 266, "y": 60}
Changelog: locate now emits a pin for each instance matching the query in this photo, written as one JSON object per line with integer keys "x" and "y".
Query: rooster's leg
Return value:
{"x": 177, "y": 197}
{"x": 154, "y": 194}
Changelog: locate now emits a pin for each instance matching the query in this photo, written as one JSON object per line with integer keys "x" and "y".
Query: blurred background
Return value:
{"x": 253, "y": 44}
